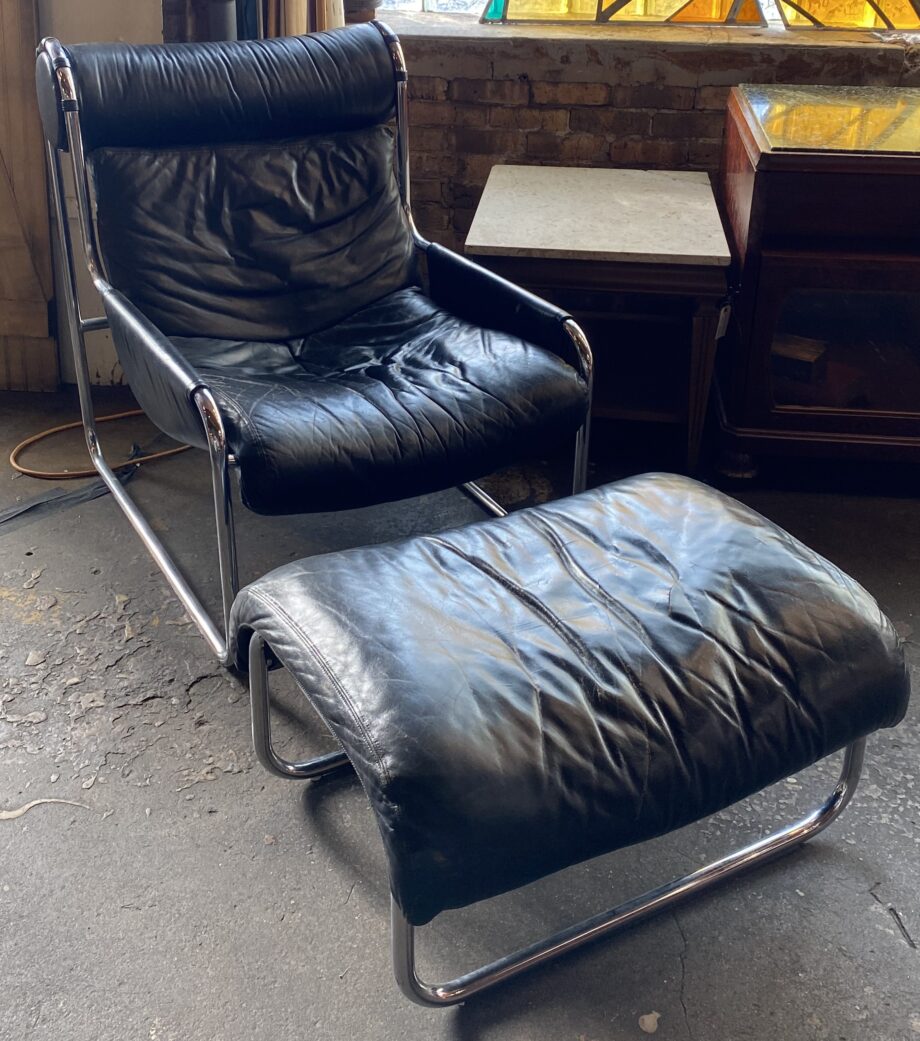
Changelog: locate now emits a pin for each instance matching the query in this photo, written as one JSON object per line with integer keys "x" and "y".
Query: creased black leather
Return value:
{"x": 262, "y": 241}
{"x": 526, "y": 693}
{"x": 400, "y": 399}
{"x": 484, "y": 298}
{"x": 159, "y": 376}
{"x": 248, "y": 208}
{"x": 163, "y": 95}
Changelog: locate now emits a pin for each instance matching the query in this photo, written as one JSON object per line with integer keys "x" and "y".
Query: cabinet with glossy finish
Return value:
{"x": 820, "y": 191}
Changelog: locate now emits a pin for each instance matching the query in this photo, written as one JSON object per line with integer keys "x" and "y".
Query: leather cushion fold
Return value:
{"x": 159, "y": 95}
{"x": 522, "y": 694}
{"x": 261, "y": 241}
{"x": 399, "y": 399}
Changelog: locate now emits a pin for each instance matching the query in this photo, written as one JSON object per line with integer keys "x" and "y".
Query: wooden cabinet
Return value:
{"x": 638, "y": 258}
{"x": 820, "y": 189}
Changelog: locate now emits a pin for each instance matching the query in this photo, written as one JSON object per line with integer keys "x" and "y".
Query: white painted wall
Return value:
{"x": 84, "y": 21}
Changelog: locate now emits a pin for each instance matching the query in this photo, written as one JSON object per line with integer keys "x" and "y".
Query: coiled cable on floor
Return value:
{"x": 71, "y": 475}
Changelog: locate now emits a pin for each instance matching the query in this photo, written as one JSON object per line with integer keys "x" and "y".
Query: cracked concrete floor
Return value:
{"x": 178, "y": 893}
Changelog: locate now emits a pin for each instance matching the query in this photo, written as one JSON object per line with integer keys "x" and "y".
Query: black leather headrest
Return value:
{"x": 163, "y": 95}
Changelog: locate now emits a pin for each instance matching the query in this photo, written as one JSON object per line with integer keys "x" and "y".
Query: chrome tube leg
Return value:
{"x": 626, "y": 914}
{"x": 580, "y": 469}
{"x": 260, "y": 703}
{"x": 71, "y": 305}
{"x": 484, "y": 499}
{"x": 582, "y": 438}
{"x": 223, "y": 501}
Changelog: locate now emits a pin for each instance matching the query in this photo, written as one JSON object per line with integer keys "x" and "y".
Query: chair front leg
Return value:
{"x": 223, "y": 502}
{"x": 582, "y": 438}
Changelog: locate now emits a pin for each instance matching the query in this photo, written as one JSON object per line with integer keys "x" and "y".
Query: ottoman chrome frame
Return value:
{"x": 604, "y": 924}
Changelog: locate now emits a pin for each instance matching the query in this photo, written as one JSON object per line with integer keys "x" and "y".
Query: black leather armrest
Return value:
{"x": 160, "y": 378}
{"x": 487, "y": 299}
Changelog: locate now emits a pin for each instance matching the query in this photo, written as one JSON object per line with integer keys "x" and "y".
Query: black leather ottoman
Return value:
{"x": 525, "y": 693}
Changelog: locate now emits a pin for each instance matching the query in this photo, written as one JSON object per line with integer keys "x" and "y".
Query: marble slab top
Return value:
{"x": 635, "y": 216}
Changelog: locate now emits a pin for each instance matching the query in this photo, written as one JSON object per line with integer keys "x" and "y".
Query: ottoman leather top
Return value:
{"x": 521, "y": 694}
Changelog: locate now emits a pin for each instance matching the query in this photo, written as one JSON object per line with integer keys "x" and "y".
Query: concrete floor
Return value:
{"x": 182, "y": 894}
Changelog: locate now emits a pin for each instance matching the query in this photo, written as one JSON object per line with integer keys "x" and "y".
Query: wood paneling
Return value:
{"x": 28, "y": 360}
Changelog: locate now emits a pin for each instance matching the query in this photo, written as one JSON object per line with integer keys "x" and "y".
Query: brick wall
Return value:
{"x": 653, "y": 99}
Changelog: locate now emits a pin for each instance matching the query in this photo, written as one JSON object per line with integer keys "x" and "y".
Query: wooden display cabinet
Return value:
{"x": 820, "y": 192}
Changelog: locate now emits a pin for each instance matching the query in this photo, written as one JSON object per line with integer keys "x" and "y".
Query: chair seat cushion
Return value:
{"x": 400, "y": 399}
{"x": 522, "y": 694}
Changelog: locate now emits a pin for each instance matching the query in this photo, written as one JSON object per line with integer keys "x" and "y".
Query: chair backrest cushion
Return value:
{"x": 246, "y": 189}
{"x": 254, "y": 240}
{"x": 248, "y": 90}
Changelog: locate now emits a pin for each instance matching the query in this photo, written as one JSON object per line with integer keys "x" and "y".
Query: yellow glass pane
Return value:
{"x": 901, "y": 13}
{"x": 850, "y": 14}
{"x": 552, "y": 10}
{"x": 850, "y": 119}
{"x": 705, "y": 12}
{"x": 648, "y": 11}
{"x": 838, "y": 14}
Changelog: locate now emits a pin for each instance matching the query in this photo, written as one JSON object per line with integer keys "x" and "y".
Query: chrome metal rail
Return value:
{"x": 626, "y": 914}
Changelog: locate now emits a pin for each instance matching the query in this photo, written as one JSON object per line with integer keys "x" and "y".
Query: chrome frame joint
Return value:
{"x": 260, "y": 705}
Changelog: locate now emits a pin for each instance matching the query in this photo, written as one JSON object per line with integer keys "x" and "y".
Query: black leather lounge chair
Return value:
{"x": 245, "y": 216}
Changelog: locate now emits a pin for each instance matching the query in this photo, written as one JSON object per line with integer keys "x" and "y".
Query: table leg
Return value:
{"x": 702, "y": 359}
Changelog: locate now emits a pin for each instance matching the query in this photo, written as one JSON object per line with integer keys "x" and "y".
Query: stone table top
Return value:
{"x": 635, "y": 216}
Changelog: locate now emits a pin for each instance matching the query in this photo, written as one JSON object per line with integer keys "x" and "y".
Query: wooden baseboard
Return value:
{"x": 28, "y": 363}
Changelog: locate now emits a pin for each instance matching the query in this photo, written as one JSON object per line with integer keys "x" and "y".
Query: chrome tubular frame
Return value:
{"x": 78, "y": 326}
{"x": 629, "y": 913}
{"x": 480, "y": 495}
{"x": 582, "y": 438}
{"x": 575, "y": 332}
{"x": 626, "y": 914}
{"x": 401, "y": 77}
{"x": 580, "y": 468}
{"x": 221, "y": 483}
{"x": 260, "y": 705}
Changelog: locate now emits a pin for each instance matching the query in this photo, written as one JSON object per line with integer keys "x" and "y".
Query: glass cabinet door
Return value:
{"x": 852, "y": 350}
{"x": 834, "y": 349}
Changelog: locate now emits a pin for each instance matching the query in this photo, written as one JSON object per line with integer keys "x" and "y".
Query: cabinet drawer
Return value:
{"x": 865, "y": 210}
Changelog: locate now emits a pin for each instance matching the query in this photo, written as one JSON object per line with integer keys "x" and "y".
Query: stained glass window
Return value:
{"x": 795, "y": 14}
{"x": 850, "y": 14}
